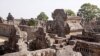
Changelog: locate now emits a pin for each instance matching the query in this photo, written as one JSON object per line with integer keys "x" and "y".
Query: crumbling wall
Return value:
{"x": 88, "y": 48}
{"x": 5, "y": 29}
{"x": 42, "y": 52}
{"x": 30, "y": 31}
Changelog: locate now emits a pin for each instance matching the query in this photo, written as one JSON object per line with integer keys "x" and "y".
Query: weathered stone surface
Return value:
{"x": 5, "y": 29}
{"x": 13, "y": 39}
{"x": 74, "y": 24}
{"x": 11, "y": 45}
{"x": 40, "y": 42}
{"x": 42, "y": 52}
{"x": 88, "y": 48}
{"x": 88, "y": 42}
{"x": 67, "y": 51}
{"x": 22, "y": 39}
{"x": 67, "y": 29}
{"x": 1, "y": 20}
{"x": 58, "y": 25}
{"x": 59, "y": 13}
{"x": 85, "y": 38}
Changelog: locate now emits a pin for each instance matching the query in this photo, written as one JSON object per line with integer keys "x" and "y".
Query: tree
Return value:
{"x": 32, "y": 22}
{"x": 10, "y": 17}
{"x": 23, "y": 22}
{"x": 69, "y": 12}
{"x": 42, "y": 16}
{"x": 88, "y": 11}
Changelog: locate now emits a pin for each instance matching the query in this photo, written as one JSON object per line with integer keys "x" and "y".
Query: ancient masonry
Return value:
{"x": 52, "y": 38}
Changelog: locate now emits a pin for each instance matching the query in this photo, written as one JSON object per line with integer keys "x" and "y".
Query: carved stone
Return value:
{"x": 40, "y": 42}
{"x": 58, "y": 25}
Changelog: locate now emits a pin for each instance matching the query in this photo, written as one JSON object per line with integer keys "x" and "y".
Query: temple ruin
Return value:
{"x": 62, "y": 36}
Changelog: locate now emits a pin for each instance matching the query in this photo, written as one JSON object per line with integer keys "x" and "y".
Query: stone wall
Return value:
{"x": 42, "y": 52}
{"x": 88, "y": 48}
{"x": 85, "y": 38}
{"x": 29, "y": 29}
{"x": 5, "y": 29}
{"x": 74, "y": 24}
{"x": 74, "y": 19}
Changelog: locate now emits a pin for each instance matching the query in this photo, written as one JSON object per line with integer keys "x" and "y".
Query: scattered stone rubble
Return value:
{"x": 88, "y": 42}
{"x": 50, "y": 38}
{"x": 42, "y": 52}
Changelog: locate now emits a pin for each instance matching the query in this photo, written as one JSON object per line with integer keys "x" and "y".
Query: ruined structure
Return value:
{"x": 5, "y": 29}
{"x": 10, "y": 45}
{"x": 46, "y": 38}
{"x": 88, "y": 48}
{"x": 58, "y": 25}
{"x": 10, "y": 19}
{"x": 74, "y": 24}
{"x": 88, "y": 42}
{"x": 1, "y": 20}
{"x": 42, "y": 52}
{"x": 40, "y": 42}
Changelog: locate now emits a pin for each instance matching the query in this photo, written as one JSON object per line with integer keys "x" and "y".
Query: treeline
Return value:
{"x": 87, "y": 11}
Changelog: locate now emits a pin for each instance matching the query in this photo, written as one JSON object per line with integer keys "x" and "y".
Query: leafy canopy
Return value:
{"x": 32, "y": 22}
{"x": 69, "y": 12}
{"x": 42, "y": 16}
{"x": 89, "y": 11}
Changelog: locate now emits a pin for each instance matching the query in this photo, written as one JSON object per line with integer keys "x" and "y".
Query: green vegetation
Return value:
{"x": 42, "y": 16}
{"x": 89, "y": 11}
{"x": 69, "y": 12}
{"x": 32, "y": 22}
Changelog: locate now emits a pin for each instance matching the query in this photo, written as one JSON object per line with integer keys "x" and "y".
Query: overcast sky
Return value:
{"x": 31, "y": 8}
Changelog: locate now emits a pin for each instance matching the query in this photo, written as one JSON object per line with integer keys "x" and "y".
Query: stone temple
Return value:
{"x": 62, "y": 36}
